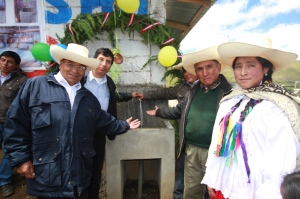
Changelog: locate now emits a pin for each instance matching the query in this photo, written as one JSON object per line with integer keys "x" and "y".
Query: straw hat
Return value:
{"x": 190, "y": 59}
{"x": 178, "y": 66}
{"x": 75, "y": 53}
{"x": 260, "y": 47}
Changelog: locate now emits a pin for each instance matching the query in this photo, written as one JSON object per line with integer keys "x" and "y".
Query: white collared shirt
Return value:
{"x": 3, "y": 79}
{"x": 99, "y": 88}
{"x": 71, "y": 90}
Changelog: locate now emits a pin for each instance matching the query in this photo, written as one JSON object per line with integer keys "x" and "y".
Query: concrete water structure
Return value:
{"x": 155, "y": 144}
{"x": 152, "y": 146}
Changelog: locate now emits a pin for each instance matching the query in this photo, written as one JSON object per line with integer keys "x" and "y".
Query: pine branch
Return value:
{"x": 87, "y": 27}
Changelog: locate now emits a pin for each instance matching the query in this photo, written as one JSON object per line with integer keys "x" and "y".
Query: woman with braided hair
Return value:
{"x": 254, "y": 142}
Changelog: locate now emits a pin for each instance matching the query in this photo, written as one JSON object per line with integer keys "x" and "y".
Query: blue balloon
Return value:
{"x": 60, "y": 45}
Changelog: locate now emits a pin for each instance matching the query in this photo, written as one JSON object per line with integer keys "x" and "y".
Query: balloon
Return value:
{"x": 128, "y": 6}
{"x": 60, "y": 45}
{"x": 167, "y": 56}
{"x": 41, "y": 51}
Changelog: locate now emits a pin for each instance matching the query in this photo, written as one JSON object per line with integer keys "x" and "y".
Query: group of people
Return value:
{"x": 238, "y": 142}
{"x": 235, "y": 141}
{"x": 51, "y": 126}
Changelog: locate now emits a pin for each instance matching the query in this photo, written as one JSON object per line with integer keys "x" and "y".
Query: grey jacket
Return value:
{"x": 181, "y": 110}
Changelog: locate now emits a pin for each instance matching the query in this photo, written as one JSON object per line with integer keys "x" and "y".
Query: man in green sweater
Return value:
{"x": 197, "y": 112}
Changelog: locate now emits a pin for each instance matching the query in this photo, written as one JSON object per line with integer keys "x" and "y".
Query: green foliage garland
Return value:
{"x": 87, "y": 27}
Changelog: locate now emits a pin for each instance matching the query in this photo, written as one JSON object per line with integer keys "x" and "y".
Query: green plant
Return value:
{"x": 88, "y": 27}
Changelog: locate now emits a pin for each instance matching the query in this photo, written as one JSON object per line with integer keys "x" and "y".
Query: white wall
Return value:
{"x": 135, "y": 53}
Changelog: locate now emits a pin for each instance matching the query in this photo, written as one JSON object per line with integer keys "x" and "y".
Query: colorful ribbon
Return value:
{"x": 230, "y": 139}
{"x": 168, "y": 41}
{"x": 105, "y": 19}
{"x": 52, "y": 64}
{"x": 72, "y": 32}
{"x": 150, "y": 26}
{"x": 131, "y": 19}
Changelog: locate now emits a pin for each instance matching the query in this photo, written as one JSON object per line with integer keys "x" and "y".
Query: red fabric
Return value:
{"x": 51, "y": 40}
{"x": 35, "y": 73}
{"x": 219, "y": 195}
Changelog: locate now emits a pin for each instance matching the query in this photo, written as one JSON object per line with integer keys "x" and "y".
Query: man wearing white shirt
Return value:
{"x": 51, "y": 126}
{"x": 104, "y": 89}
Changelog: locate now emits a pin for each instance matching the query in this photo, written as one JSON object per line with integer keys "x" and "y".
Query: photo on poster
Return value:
{"x": 20, "y": 40}
{"x": 25, "y": 11}
{"x": 2, "y": 11}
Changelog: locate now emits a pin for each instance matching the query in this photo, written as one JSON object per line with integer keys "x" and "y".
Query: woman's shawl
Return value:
{"x": 288, "y": 102}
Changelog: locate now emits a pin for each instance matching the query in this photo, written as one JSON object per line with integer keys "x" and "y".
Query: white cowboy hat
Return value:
{"x": 75, "y": 53}
{"x": 178, "y": 66}
{"x": 190, "y": 59}
{"x": 260, "y": 47}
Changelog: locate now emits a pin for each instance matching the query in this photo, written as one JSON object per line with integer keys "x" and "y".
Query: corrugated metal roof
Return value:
{"x": 183, "y": 15}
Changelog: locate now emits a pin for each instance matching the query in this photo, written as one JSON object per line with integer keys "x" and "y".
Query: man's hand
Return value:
{"x": 133, "y": 124}
{"x": 152, "y": 112}
{"x": 137, "y": 95}
{"x": 211, "y": 192}
{"x": 27, "y": 170}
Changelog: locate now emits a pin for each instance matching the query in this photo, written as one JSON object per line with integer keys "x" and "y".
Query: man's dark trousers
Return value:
{"x": 99, "y": 146}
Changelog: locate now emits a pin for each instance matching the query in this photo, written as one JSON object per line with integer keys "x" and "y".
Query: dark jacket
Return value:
{"x": 42, "y": 127}
{"x": 8, "y": 91}
{"x": 176, "y": 92}
{"x": 114, "y": 98}
{"x": 181, "y": 110}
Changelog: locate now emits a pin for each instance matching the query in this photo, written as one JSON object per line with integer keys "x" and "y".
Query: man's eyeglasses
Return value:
{"x": 72, "y": 65}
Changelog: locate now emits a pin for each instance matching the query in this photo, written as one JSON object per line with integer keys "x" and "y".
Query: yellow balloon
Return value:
{"x": 167, "y": 56}
{"x": 128, "y": 6}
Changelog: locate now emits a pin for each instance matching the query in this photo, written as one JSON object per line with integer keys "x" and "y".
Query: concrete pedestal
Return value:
{"x": 142, "y": 143}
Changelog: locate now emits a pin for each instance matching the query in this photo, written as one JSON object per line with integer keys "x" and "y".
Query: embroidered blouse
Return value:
{"x": 271, "y": 146}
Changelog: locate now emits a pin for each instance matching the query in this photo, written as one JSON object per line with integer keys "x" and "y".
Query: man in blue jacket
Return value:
{"x": 51, "y": 125}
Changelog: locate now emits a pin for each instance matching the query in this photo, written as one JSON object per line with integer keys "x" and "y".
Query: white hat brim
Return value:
{"x": 190, "y": 59}
{"x": 178, "y": 66}
{"x": 280, "y": 59}
{"x": 59, "y": 53}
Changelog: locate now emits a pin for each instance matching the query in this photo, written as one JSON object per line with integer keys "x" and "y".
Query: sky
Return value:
{"x": 231, "y": 20}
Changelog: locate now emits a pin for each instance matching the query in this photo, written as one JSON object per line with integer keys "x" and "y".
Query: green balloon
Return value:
{"x": 41, "y": 51}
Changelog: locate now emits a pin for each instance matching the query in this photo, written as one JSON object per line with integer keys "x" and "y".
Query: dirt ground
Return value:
{"x": 150, "y": 189}
{"x": 19, "y": 183}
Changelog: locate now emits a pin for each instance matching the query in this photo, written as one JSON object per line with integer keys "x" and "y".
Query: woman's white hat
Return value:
{"x": 178, "y": 66}
{"x": 260, "y": 47}
{"x": 190, "y": 59}
{"x": 76, "y": 53}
